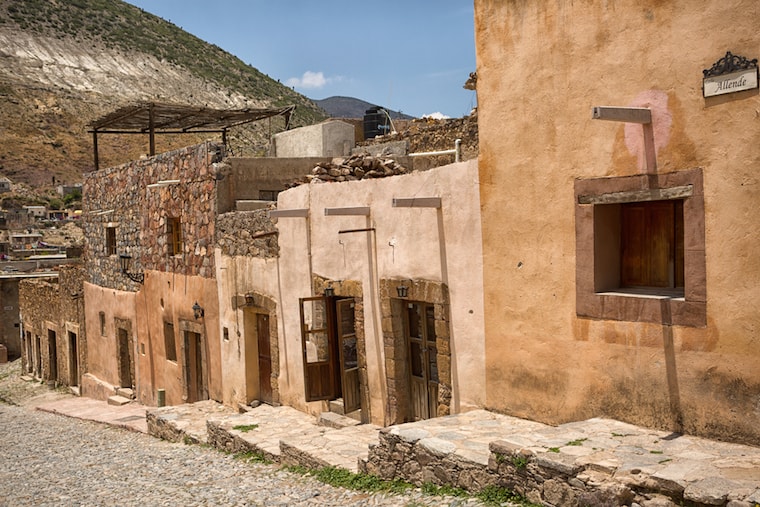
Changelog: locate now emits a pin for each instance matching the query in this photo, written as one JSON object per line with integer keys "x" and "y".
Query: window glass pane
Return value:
{"x": 349, "y": 352}
{"x": 416, "y": 359}
{"x": 430, "y": 322}
{"x": 414, "y": 310}
{"x": 317, "y": 347}
{"x": 314, "y": 315}
{"x": 347, "y": 324}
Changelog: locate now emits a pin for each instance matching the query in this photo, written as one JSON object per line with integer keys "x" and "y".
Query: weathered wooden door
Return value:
{"x": 349, "y": 358}
{"x": 319, "y": 361}
{"x": 126, "y": 362}
{"x": 196, "y": 383}
{"x": 265, "y": 358}
{"x": 423, "y": 360}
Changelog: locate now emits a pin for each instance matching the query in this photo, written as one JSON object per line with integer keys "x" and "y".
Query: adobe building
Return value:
{"x": 362, "y": 297}
{"x": 332, "y": 138}
{"x": 618, "y": 169}
{"x": 151, "y": 294}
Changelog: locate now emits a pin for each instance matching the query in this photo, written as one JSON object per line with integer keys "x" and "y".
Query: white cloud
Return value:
{"x": 436, "y": 116}
{"x": 309, "y": 80}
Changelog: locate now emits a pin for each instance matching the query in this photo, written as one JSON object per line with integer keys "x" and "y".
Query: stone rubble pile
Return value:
{"x": 429, "y": 134}
{"x": 355, "y": 167}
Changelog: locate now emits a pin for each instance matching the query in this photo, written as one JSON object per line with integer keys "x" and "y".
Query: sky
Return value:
{"x": 412, "y": 56}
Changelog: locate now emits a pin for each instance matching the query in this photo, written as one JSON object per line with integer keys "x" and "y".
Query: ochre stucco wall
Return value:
{"x": 169, "y": 297}
{"x": 102, "y": 355}
{"x": 541, "y": 68}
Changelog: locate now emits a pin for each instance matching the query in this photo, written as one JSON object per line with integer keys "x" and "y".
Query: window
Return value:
{"x": 110, "y": 240}
{"x": 102, "y": 317}
{"x": 174, "y": 235}
{"x": 268, "y": 195}
{"x": 640, "y": 248}
{"x": 170, "y": 342}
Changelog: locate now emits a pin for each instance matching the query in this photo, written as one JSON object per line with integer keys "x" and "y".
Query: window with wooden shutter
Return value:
{"x": 651, "y": 244}
{"x": 174, "y": 235}
{"x": 110, "y": 240}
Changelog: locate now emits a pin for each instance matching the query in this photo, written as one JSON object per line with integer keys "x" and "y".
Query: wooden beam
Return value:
{"x": 289, "y": 213}
{"x": 416, "y": 202}
{"x": 625, "y": 114}
{"x": 356, "y": 211}
{"x": 656, "y": 194}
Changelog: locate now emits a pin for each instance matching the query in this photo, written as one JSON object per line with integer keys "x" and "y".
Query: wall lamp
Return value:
{"x": 402, "y": 291}
{"x": 198, "y": 311}
{"x": 125, "y": 260}
{"x": 329, "y": 291}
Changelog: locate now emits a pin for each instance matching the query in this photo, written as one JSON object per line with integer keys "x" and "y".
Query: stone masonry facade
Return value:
{"x": 53, "y": 309}
{"x": 122, "y": 198}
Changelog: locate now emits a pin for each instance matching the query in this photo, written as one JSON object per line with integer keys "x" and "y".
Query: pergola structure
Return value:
{"x": 156, "y": 118}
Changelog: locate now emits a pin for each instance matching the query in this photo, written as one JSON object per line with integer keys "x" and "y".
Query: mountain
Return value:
{"x": 65, "y": 63}
{"x": 349, "y": 107}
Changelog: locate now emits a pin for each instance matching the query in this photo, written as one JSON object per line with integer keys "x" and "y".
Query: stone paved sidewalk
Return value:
{"x": 594, "y": 462}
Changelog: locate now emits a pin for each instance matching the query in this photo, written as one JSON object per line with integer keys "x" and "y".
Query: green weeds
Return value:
{"x": 245, "y": 427}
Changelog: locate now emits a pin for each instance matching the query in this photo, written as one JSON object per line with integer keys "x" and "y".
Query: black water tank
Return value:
{"x": 375, "y": 122}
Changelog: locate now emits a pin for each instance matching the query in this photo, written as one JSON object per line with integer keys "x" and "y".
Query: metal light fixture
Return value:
{"x": 402, "y": 291}
{"x": 125, "y": 260}
{"x": 198, "y": 311}
{"x": 329, "y": 291}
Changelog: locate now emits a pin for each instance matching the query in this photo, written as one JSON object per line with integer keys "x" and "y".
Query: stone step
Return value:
{"x": 118, "y": 400}
{"x": 337, "y": 421}
{"x": 260, "y": 430}
{"x": 185, "y": 423}
{"x": 336, "y": 406}
{"x": 341, "y": 448}
{"x": 126, "y": 392}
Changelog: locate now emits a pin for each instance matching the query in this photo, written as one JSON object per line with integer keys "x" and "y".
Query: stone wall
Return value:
{"x": 55, "y": 305}
{"x": 9, "y": 321}
{"x": 236, "y": 234}
{"x": 39, "y": 304}
{"x": 120, "y": 197}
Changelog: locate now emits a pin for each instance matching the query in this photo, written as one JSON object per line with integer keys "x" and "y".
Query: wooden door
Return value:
{"x": 126, "y": 365}
{"x": 265, "y": 358}
{"x": 349, "y": 358}
{"x": 319, "y": 361}
{"x": 423, "y": 360}
{"x": 196, "y": 383}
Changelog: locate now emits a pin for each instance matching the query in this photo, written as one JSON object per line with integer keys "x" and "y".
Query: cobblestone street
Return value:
{"x": 48, "y": 460}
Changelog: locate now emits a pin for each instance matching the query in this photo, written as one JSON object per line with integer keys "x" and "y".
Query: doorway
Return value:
{"x": 195, "y": 371}
{"x": 329, "y": 347}
{"x": 126, "y": 359}
{"x": 73, "y": 359}
{"x": 38, "y": 356}
{"x": 265, "y": 357}
{"x": 52, "y": 373}
{"x": 419, "y": 330}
